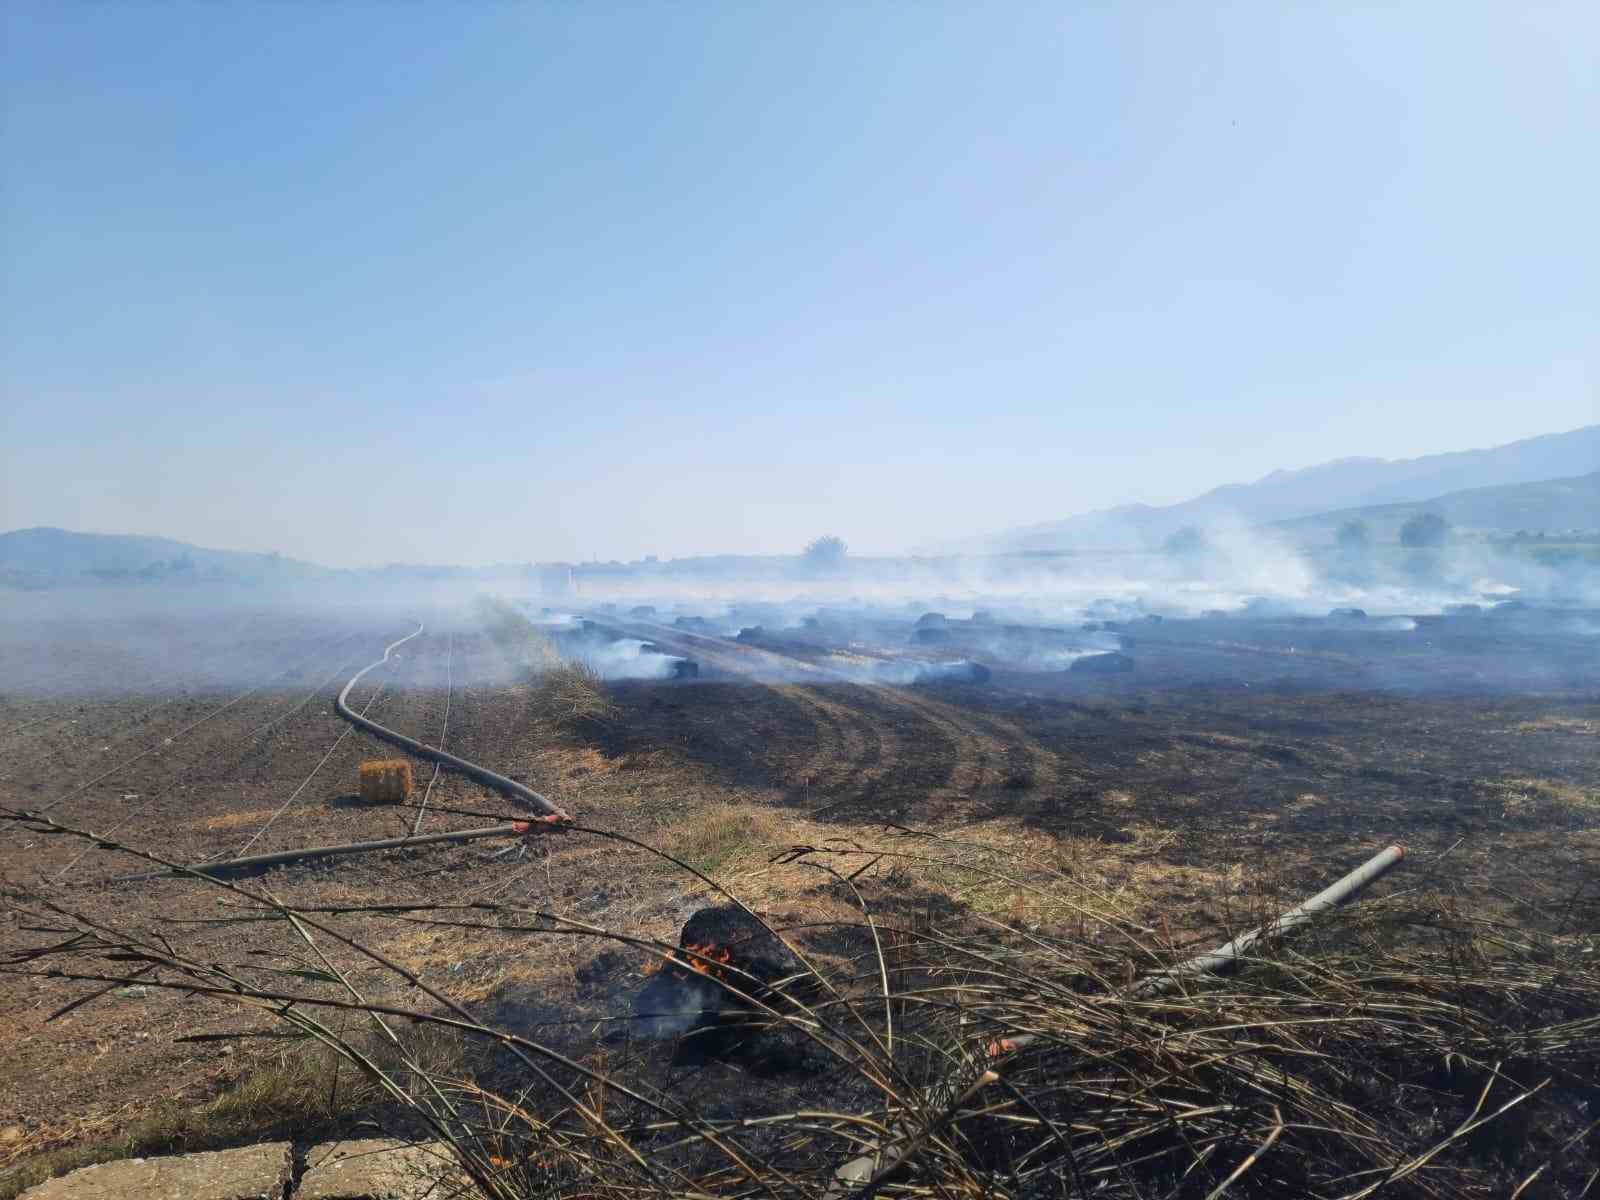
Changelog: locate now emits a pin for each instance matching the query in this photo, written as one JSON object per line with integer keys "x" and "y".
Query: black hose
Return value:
{"x": 506, "y": 787}
{"x": 279, "y": 857}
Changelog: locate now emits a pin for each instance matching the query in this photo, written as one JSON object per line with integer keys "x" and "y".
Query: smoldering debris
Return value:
{"x": 1110, "y": 663}
{"x": 614, "y": 656}
{"x": 710, "y": 992}
{"x": 913, "y": 671}
{"x": 1261, "y": 640}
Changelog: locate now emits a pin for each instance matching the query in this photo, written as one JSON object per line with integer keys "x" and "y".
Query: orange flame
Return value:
{"x": 703, "y": 958}
{"x": 706, "y": 955}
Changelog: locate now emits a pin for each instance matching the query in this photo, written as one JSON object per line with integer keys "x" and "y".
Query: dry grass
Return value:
{"x": 1576, "y": 725}
{"x": 1528, "y": 795}
{"x": 563, "y": 695}
{"x": 569, "y": 696}
{"x": 1407, "y": 1048}
{"x": 725, "y": 840}
{"x": 235, "y": 820}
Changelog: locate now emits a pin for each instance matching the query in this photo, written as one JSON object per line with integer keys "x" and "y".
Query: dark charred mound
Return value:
{"x": 1110, "y": 663}
{"x": 751, "y": 635}
{"x": 681, "y": 668}
{"x": 932, "y": 620}
{"x": 971, "y": 672}
{"x": 930, "y": 635}
{"x": 902, "y": 671}
{"x": 1348, "y": 614}
{"x": 959, "y": 672}
{"x": 711, "y": 995}
{"x": 642, "y": 610}
{"x": 694, "y": 625}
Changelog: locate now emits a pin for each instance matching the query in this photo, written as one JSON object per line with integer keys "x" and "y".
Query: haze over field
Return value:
{"x": 496, "y": 283}
{"x": 1533, "y": 541}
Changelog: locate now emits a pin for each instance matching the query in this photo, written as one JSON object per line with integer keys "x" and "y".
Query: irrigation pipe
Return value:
{"x": 144, "y": 805}
{"x": 1224, "y": 957}
{"x": 278, "y": 857}
{"x": 552, "y": 815}
{"x": 506, "y": 787}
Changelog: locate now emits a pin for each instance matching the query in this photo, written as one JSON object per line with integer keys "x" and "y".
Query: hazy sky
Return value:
{"x": 478, "y": 281}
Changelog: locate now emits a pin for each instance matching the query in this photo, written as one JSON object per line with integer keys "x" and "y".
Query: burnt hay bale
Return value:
{"x": 687, "y": 996}
{"x": 1110, "y": 663}
{"x": 962, "y": 672}
{"x": 754, "y": 949}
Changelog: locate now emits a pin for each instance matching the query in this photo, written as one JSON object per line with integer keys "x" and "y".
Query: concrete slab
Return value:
{"x": 380, "y": 1169}
{"x": 249, "y": 1173}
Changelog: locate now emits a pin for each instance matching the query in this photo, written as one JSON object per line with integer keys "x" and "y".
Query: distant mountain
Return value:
{"x": 1341, "y": 484}
{"x": 44, "y": 557}
{"x": 1550, "y": 506}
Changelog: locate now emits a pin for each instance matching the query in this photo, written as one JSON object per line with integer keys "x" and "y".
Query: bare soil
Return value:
{"x": 1224, "y": 769}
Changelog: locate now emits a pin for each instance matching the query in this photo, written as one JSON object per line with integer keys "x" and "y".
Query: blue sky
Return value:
{"x": 466, "y": 282}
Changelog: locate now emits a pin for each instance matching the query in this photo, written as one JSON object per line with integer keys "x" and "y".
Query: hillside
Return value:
{"x": 1550, "y": 506}
{"x": 44, "y": 557}
{"x": 1347, "y": 483}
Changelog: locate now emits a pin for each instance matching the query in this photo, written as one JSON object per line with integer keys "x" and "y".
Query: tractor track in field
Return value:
{"x": 149, "y": 798}
{"x": 1180, "y": 779}
{"x": 30, "y": 768}
{"x": 265, "y": 802}
{"x": 872, "y": 742}
{"x": 164, "y": 758}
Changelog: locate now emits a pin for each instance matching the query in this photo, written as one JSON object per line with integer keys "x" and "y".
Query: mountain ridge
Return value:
{"x": 1285, "y": 495}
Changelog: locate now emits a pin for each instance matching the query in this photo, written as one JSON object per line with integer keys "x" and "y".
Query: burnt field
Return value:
{"x": 1189, "y": 771}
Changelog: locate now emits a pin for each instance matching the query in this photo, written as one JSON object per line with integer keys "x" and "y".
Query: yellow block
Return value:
{"x": 386, "y": 780}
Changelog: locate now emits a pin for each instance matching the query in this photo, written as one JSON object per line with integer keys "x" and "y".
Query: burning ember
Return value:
{"x": 704, "y": 958}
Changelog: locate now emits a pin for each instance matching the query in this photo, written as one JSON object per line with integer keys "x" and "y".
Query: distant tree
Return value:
{"x": 826, "y": 553}
{"x": 1424, "y": 530}
{"x": 1353, "y": 535}
{"x": 1188, "y": 540}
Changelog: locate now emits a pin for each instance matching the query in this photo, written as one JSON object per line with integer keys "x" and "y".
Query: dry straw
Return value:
{"x": 387, "y": 781}
{"x": 1406, "y": 1047}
